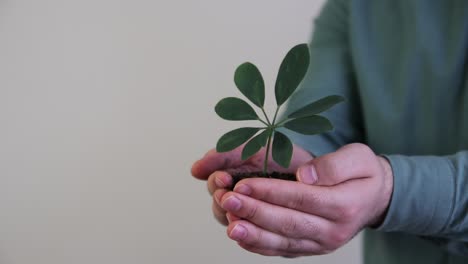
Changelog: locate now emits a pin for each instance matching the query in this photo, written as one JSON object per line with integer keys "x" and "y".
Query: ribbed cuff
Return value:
{"x": 422, "y": 199}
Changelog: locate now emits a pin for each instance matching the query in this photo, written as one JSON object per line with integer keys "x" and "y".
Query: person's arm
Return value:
{"x": 431, "y": 193}
{"x": 430, "y": 199}
{"x": 330, "y": 72}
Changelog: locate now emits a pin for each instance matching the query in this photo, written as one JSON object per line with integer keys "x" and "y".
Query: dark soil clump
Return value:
{"x": 274, "y": 175}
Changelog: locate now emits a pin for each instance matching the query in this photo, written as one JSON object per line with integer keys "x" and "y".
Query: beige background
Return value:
{"x": 105, "y": 104}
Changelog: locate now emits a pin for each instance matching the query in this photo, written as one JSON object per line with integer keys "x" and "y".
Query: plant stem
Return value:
{"x": 276, "y": 114}
{"x": 266, "y": 124}
{"x": 267, "y": 152}
{"x": 271, "y": 128}
{"x": 268, "y": 120}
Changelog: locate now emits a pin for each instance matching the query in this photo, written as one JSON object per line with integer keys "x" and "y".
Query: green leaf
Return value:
{"x": 255, "y": 144}
{"x": 235, "y": 138}
{"x": 232, "y": 108}
{"x": 317, "y": 106}
{"x": 309, "y": 125}
{"x": 282, "y": 149}
{"x": 249, "y": 81}
{"x": 291, "y": 72}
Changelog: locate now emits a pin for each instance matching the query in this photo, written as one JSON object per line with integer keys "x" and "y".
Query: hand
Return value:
{"x": 217, "y": 168}
{"x": 352, "y": 190}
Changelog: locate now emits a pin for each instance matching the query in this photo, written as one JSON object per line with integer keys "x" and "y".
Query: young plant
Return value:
{"x": 249, "y": 81}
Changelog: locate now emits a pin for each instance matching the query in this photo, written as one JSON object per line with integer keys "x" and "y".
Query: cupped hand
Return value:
{"x": 217, "y": 168}
{"x": 352, "y": 189}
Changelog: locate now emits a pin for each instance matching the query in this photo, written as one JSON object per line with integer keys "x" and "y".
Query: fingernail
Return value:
{"x": 307, "y": 174}
{"x": 243, "y": 189}
{"x": 229, "y": 217}
{"x": 231, "y": 204}
{"x": 222, "y": 180}
{"x": 219, "y": 183}
{"x": 238, "y": 232}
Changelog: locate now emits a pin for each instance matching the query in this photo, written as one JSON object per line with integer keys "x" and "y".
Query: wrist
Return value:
{"x": 387, "y": 190}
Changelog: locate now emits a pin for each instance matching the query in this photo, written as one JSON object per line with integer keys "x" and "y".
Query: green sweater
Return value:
{"x": 402, "y": 65}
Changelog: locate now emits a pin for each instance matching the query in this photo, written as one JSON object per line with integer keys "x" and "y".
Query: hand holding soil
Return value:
{"x": 217, "y": 169}
{"x": 351, "y": 190}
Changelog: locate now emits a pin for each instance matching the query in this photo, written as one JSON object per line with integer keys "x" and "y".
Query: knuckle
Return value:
{"x": 317, "y": 198}
{"x": 289, "y": 226}
{"x": 337, "y": 238}
{"x": 330, "y": 167}
{"x": 310, "y": 228}
{"x": 269, "y": 195}
{"x": 302, "y": 228}
{"x": 362, "y": 150}
{"x": 293, "y": 245}
{"x": 256, "y": 239}
{"x": 366, "y": 154}
{"x": 347, "y": 213}
{"x": 359, "y": 147}
{"x": 297, "y": 201}
{"x": 251, "y": 212}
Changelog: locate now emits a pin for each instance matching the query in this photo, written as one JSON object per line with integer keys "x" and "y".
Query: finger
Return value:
{"x": 270, "y": 252}
{"x": 218, "y": 194}
{"x": 219, "y": 180}
{"x": 214, "y": 161}
{"x": 277, "y": 219}
{"x": 349, "y": 162}
{"x": 316, "y": 200}
{"x": 219, "y": 213}
{"x": 231, "y": 218}
{"x": 266, "y": 252}
{"x": 268, "y": 243}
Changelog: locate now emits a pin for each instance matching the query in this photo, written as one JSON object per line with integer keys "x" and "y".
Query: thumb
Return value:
{"x": 214, "y": 161}
{"x": 352, "y": 161}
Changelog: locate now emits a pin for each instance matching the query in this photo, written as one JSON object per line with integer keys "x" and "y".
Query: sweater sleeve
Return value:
{"x": 430, "y": 196}
{"x": 330, "y": 72}
{"x": 430, "y": 199}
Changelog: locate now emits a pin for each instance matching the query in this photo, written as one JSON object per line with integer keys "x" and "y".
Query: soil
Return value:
{"x": 275, "y": 175}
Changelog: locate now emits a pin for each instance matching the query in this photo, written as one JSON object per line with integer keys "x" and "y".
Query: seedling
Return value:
{"x": 306, "y": 120}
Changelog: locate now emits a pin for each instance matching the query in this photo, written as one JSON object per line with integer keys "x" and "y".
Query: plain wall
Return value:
{"x": 104, "y": 105}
